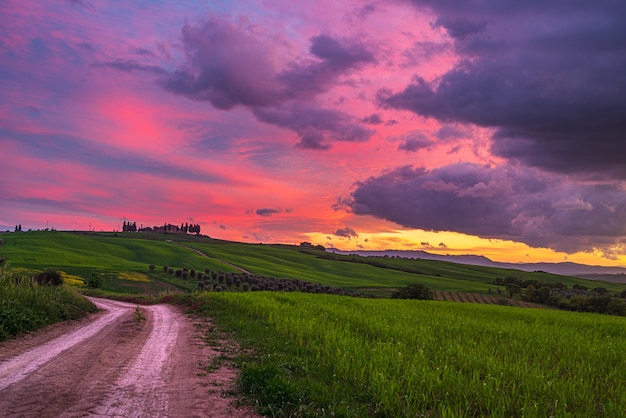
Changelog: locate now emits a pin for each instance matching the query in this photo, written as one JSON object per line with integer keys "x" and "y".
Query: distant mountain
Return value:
{"x": 566, "y": 269}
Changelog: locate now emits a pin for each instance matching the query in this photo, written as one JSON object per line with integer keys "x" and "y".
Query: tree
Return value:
{"x": 49, "y": 277}
{"x": 616, "y": 307}
{"x": 413, "y": 291}
{"x": 513, "y": 289}
{"x": 95, "y": 281}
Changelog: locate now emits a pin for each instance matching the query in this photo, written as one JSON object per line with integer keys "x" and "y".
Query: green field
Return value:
{"x": 81, "y": 253}
{"x": 323, "y": 355}
{"x": 326, "y": 355}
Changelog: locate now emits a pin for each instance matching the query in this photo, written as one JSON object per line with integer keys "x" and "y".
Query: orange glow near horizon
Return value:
{"x": 461, "y": 244}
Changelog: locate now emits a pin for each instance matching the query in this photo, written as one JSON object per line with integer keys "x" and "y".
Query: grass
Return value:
{"x": 133, "y": 276}
{"x": 354, "y": 272}
{"x": 81, "y": 253}
{"x": 26, "y": 306}
{"x": 288, "y": 262}
{"x": 324, "y": 355}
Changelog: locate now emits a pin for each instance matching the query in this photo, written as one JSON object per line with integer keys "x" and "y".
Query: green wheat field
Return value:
{"x": 303, "y": 354}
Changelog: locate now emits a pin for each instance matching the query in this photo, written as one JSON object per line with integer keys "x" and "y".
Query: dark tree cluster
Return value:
{"x": 219, "y": 281}
{"x": 18, "y": 228}
{"x": 168, "y": 228}
{"x": 49, "y": 277}
{"x": 578, "y": 298}
{"x": 190, "y": 229}
{"x": 308, "y": 245}
{"x": 413, "y": 291}
{"x": 128, "y": 227}
{"x": 524, "y": 283}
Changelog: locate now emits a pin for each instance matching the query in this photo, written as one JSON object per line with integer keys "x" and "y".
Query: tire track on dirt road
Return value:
{"x": 135, "y": 392}
{"x": 116, "y": 365}
{"x": 20, "y": 367}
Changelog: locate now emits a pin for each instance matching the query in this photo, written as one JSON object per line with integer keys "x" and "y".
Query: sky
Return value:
{"x": 491, "y": 127}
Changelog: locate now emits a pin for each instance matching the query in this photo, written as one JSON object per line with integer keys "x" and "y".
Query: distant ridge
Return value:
{"x": 566, "y": 268}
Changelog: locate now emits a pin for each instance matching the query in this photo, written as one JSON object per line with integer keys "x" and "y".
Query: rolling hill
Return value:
{"x": 81, "y": 253}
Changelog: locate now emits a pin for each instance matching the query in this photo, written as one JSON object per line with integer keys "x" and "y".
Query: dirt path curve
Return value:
{"x": 116, "y": 365}
{"x": 241, "y": 269}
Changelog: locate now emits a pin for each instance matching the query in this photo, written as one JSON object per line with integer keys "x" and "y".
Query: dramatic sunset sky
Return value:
{"x": 492, "y": 127}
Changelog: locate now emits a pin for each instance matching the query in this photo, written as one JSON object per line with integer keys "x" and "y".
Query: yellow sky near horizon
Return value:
{"x": 454, "y": 243}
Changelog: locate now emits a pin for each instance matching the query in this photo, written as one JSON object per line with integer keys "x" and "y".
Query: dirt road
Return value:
{"x": 120, "y": 362}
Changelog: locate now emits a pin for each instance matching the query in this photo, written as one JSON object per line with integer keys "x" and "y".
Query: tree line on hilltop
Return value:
{"x": 185, "y": 228}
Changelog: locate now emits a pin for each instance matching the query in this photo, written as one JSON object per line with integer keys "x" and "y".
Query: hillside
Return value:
{"x": 81, "y": 253}
{"x": 565, "y": 268}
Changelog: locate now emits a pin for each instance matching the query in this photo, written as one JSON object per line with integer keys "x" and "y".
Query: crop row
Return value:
{"x": 489, "y": 299}
{"x": 218, "y": 281}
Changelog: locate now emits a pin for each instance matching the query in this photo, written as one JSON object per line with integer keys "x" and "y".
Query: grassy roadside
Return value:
{"x": 26, "y": 306}
{"x": 325, "y": 355}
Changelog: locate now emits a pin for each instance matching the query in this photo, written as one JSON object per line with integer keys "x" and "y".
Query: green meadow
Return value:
{"x": 81, "y": 253}
{"x": 324, "y": 355}
{"x": 327, "y": 355}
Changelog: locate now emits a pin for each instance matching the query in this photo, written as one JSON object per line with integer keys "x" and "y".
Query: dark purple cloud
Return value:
{"x": 373, "y": 119}
{"x": 548, "y": 76}
{"x": 449, "y": 132}
{"x": 346, "y": 232}
{"x": 312, "y": 138}
{"x": 460, "y": 28}
{"x": 414, "y": 143}
{"x": 129, "y": 66}
{"x": 314, "y": 125}
{"x": 231, "y": 64}
{"x": 311, "y": 77}
{"x": 527, "y": 205}
{"x": 268, "y": 211}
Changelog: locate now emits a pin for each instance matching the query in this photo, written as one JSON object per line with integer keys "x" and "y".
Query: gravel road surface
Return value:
{"x": 116, "y": 364}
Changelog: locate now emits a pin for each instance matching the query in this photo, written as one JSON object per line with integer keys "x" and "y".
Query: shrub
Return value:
{"x": 616, "y": 307}
{"x": 413, "y": 291}
{"x": 165, "y": 268}
{"x": 151, "y": 267}
{"x": 49, "y": 277}
{"x": 95, "y": 281}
